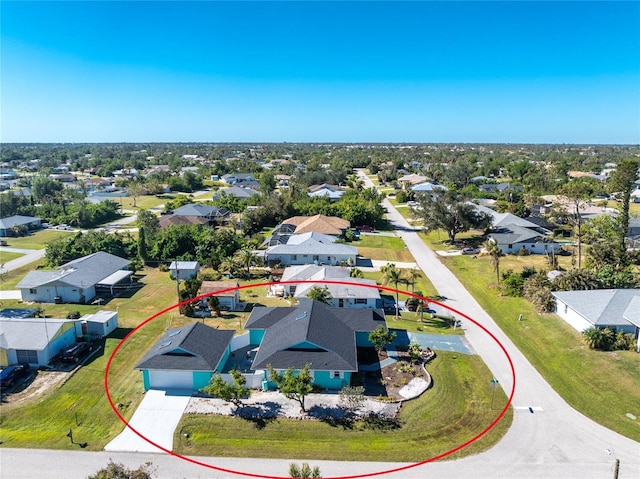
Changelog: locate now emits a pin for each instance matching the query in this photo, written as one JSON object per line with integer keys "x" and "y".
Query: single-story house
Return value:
{"x": 100, "y": 324}
{"x": 75, "y": 281}
{"x": 6, "y": 224}
{"x": 235, "y": 178}
{"x": 312, "y": 333}
{"x": 311, "y": 248}
{"x": 237, "y": 191}
{"x": 618, "y": 309}
{"x": 332, "y": 192}
{"x": 36, "y": 340}
{"x": 229, "y": 300}
{"x": 511, "y": 239}
{"x": 186, "y": 358}
{"x": 342, "y": 295}
{"x": 328, "y": 225}
{"x": 184, "y": 269}
{"x": 213, "y": 214}
{"x": 410, "y": 180}
{"x": 427, "y": 188}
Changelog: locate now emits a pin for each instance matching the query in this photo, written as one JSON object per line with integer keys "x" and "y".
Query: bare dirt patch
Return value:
{"x": 35, "y": 386}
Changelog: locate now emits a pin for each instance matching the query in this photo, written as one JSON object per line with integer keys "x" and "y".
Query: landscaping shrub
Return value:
{"x": 512, "y": 283}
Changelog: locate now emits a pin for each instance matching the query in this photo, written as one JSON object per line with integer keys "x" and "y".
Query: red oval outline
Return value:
{"x": 347, "y": 283}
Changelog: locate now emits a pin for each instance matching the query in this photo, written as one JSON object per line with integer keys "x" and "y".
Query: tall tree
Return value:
{"x": 246, "y": 257}
{"x": 575, "y": 194}
{"x": 390, "y": 274}
{"x": 622, "y": 182}
{"x": 451, "y": 212}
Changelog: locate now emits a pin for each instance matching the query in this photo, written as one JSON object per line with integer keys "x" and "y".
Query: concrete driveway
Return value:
{"x": 156, "y": 418}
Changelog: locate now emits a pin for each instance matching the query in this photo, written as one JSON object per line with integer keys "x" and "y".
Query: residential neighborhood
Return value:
{"x": 326, "y": 266}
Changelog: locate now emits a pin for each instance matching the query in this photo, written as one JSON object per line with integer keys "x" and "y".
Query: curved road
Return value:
{"x": 554, "y": 441}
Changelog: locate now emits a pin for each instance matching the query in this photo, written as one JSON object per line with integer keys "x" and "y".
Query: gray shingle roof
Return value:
{"x": 311, "y": 332}
{"x": 82, "y": 273}
{"x": 200, "y": 210}
{"x": 195, "y": 347}
{"x": 312, "y": 246}
{"x": 9, "y": 222}
{"x": 514, "y": 234}
{"x": 603, "y": 307}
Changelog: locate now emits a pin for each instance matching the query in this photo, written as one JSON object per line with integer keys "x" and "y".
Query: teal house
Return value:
{"x": 185, "y": 358}
{"x": 312, "y": 333}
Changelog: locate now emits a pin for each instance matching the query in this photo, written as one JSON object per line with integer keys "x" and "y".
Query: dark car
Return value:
{"x": 412, "y": 304}
{"x": 10, "y": 374}
{"x": 74, "y": 353}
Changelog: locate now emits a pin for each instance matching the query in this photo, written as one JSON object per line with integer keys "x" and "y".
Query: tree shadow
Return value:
{"x": 259, "y": 414}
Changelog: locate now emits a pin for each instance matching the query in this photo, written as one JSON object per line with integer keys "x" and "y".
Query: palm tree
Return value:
{"x": 390, "y": 274}
{"x": 411, "y": 276}
{"x": 356, "y": 273}
{"x": 227, "y": 266}
{"x": 494, "y": 252}
{"x": 246, "y": 257}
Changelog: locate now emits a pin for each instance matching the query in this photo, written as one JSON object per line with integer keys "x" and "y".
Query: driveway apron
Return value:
{"x": 156, "y": 418}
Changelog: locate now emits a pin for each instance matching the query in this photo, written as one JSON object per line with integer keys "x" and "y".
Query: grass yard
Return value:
{"x": 6, "y": 256}
{"x": 44, "y": 422}
{"x": 10, "y": 279}
{"x": 37, "y": 240}
{"x": 456, "y": 408}
{"x": 602, "y": 385}
{"x": 384, "y": 248}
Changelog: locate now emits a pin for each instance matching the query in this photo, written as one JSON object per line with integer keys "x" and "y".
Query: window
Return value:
{"x": 341, "y": 303}
{"x": 294, "y": 257}
{"x": 292, "y": 289}
{"x": 566, "y": 308}
{"x": 361, "y": 301}
{"x": 33, "y": 291}
{"x": 336, "y": 374}
{"x": 27, "y": 356}
{"x": 510, "y": 246}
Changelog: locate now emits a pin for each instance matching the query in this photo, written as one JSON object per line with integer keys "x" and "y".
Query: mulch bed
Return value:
{"x": 387, "y": 382}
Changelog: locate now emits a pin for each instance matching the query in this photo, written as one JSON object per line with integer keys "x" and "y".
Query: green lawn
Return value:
{"x": 385, "y": 248}
{"x": 460, "y": 385}
{"x": 456, "y": 408}
{"x": 604, "y": 386}
{"x": 8, "y": 256}
{"x": 37, "y": 239}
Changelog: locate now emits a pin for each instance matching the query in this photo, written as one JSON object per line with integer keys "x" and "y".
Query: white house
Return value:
{"x": 311, "y": 248}
{"x": 184, "y": 269}
{"x": 100, "y": 324}
{"x": 36, "y": 340}
{"x": 229, "y": 298}
{"x": 75, "y": 281}
{"x": 618, "y": 309}
{"x": 342, "y": 295}
{"x": 512, "y": 238}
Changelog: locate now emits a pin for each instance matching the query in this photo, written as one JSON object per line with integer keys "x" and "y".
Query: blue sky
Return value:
{"x": 520, "y": 71}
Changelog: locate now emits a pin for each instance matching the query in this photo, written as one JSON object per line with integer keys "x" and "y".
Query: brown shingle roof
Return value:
{"x": 329, "y": 225}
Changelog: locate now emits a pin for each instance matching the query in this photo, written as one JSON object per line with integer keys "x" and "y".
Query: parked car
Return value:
{"x": 10, "y": 374}
{"x": 75, "y": 352}
{"x": 366, "y": 228}
{"x": 412, "y": 304}
{"x": 470, "y": 251}
{"x": 63, "y": 227}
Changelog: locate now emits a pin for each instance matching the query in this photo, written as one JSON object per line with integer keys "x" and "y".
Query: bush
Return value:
{"x": 537, "y": 290}
{"x": 512, "y": 284}
{"x": 73, "y": 315}
{"x": 625, "y": 342}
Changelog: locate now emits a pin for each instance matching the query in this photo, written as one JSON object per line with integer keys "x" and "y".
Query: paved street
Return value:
{"x": 548, "y": 439}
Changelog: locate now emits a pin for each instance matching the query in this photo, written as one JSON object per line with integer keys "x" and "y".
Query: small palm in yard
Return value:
{"x": 246, "y": 257}
{"x": 494, "y": 252}
{"x": 303, "y": 471}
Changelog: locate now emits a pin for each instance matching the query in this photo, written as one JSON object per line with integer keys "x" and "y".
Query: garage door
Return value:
{"x": 171, "y": 380}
